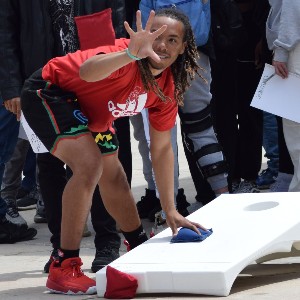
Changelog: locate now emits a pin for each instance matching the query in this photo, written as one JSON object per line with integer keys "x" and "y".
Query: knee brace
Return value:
{"x": 196, "y": 123}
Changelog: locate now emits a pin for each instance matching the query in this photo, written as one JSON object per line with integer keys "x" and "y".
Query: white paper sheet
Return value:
{"x": 35, "y": 142}
{"x": 278, "y": 96}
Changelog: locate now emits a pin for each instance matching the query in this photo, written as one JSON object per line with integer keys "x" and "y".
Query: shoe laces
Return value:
{"x": 267, "y": 172}
{"x": 74, "y": 269}
{"x": 12, "y": 209}
{"x": 126, "y": 243}
{"x": 105, "y": 251}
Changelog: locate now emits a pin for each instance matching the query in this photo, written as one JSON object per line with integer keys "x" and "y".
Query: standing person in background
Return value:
{"x": 235, "y": 77}
{"x": 13, "y": 227}
{"x": 196, "y": 124}
{"x": 283, "y": 38}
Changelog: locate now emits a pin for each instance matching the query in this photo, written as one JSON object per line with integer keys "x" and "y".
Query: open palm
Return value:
{"x": 142, "y": 40}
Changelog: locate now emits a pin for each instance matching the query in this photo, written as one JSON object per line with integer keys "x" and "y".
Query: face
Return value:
{"x": 168, "y": 45}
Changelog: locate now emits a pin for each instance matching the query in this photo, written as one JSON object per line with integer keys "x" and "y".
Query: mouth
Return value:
{"x": 162, "y": 56}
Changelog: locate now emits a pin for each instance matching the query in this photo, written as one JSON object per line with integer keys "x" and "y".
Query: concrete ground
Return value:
{"x": 21, "y": 264}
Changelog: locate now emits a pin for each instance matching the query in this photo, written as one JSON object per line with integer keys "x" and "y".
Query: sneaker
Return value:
{"x": 182, "y": 203}
{"x": 153, "y": 212}
{"x": 54, "y": 256}
{"x": 40, "y": 216}
{"x": 265, "y": 179}
{"x": 29, "y": 201}
{"x": 11, "y": 233}
{"x": 282, "y": 183}
{"x": 103, "y": 257}
{"x": 69, "y": 279}
{"x": 247, "y": 187}
{"x": 160, "y": 223}
{"x": 194, "y": 206}
{"x": 235, "y": 185}
{"x": 126, "y": 243}
{"x": 22, "y": 192}
{"x": 12, "y": 213}
{"x": 147, "y": 204}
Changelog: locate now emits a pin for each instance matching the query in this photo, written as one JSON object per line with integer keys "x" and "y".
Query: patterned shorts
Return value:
{"x": 54, "y": 114}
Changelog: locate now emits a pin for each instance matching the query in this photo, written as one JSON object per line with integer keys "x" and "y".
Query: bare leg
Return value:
{"x": 85, "y": 160}
{"x": 116, "y": 194}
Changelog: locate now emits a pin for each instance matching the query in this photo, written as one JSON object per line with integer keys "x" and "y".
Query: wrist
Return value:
{"x": 131, "y": 55}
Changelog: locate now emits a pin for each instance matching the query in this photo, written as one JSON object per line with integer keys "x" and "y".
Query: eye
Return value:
{"x": 173, "y": 41}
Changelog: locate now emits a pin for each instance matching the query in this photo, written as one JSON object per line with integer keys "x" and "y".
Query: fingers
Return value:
{"x": 281, "y": 69}
{"x": 155, "y": 57}
{"x": 193, "y": 226}
{"x": 128, "y": 28}
{"x": 174, "y": 229}
{"x": 150, "y": 21}
{"x": 159, "y": 31}
{"x": 139, "y": 26}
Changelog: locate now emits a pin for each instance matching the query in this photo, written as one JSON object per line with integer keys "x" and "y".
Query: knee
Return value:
{"x": 89, "y": 171}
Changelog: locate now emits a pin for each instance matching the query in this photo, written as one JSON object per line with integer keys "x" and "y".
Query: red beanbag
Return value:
{"x": 120, "y": 285}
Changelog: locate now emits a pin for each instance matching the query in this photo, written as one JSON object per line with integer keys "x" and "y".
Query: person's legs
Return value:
{"x": 291, "y": 129}
{"x": 52, "y": 180}
{"x": 149, "y": 202}
{"x": 199, "y": 134}
{"x": 29, "y": 171}
{"x": 10, "y": 232}
{"x": 9, "y": 130}
{"x": 203, "y": 189}
{"x": 270, "y": 144}
{"x": 125, "y": 156}
{"x": 107, "y": 240}
{"x": 250, "y": 120}
{"x": 11, "y": 181}
{"x": 120, "y": 204}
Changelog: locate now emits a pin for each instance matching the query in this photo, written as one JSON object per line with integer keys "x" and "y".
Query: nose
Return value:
{"x": 161, "y": 45}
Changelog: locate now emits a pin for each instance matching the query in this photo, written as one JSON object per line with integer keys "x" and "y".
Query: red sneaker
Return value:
{"x": 69, "y": 279}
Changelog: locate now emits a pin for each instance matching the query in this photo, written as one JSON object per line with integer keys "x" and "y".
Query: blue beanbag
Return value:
{"x": 186, "y": 235}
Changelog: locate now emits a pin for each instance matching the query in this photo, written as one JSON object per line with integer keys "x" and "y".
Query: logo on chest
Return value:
{"x": 133, "y": 105}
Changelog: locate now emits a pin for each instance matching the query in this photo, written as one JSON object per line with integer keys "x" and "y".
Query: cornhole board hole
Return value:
{"x": 246, "y": 227}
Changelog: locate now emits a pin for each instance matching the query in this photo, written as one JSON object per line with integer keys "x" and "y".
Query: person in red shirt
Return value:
{"x": 72, "y": 102}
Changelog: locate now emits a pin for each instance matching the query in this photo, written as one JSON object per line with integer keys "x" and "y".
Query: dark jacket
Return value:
{"x": 26, "y": 37}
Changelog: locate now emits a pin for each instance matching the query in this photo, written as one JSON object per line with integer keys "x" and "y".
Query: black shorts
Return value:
{"x": 54, "y": 114}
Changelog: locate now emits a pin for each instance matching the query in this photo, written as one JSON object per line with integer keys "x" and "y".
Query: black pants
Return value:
{"x": 239, "y": 127}
{"x": 53, "y": 178}
{"x": 285, "y": 162}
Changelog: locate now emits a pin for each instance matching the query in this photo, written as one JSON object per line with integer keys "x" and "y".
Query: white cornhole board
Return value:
{"x": 245, "y": 227}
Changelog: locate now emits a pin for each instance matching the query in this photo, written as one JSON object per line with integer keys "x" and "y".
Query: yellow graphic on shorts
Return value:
{"x": 103, "y": 137}
{"x": 105, "y": 141}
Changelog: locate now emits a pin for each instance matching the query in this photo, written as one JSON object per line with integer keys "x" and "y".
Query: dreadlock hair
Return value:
{"x": 183, "y": 69}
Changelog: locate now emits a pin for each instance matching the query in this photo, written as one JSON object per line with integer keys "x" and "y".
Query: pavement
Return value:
{"x": 21, "y": 264}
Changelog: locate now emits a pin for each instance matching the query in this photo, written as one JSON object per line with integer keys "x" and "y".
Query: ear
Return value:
{"x": 183, "y": 47}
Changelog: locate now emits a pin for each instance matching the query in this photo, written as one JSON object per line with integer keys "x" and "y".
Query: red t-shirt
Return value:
{"x": 121, "y": 94}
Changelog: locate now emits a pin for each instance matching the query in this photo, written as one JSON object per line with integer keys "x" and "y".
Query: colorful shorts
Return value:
{"x": 54, "y": 114}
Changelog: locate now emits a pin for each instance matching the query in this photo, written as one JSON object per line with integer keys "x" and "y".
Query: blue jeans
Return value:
{"x": 270, "y": 141}
{"x": 9, "y": 130}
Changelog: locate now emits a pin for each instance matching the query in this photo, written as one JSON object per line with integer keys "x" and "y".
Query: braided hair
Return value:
{"x": 183, "y": 69}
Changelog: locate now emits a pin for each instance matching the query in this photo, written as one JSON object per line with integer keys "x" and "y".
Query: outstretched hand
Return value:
{"x": 142, "y": 40}
{"x": 176, "y": 220}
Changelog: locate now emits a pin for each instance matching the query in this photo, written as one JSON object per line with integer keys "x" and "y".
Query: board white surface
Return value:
{"x": 245, "y": 227}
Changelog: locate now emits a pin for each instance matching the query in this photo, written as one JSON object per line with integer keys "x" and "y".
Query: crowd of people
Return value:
{"x": 147, "y": 68}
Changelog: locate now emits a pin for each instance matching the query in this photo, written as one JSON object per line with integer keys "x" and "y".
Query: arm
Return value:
{"x": 288, "y": 36}
{"x": 101, "y": 66}
{"x": 10, "y": 70}
{"x": 163, "y": 165}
